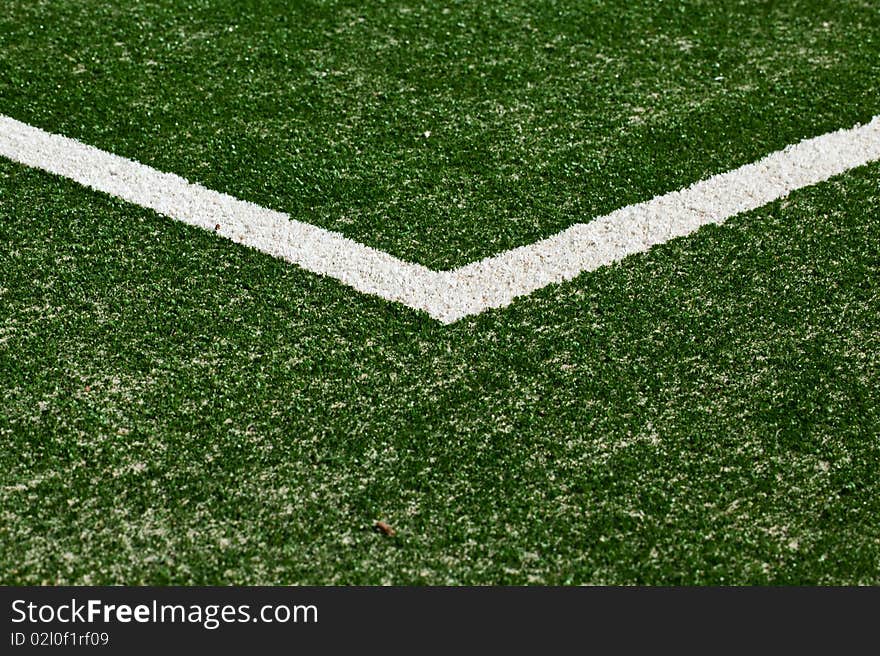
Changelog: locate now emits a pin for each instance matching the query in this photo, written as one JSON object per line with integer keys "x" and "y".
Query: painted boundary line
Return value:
{"x": 493, "y": 282}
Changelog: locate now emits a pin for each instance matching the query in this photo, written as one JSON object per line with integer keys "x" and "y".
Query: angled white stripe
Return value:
{"x": 489, "y": 283}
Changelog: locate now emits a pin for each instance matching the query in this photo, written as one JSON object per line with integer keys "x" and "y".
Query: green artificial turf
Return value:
{"x": 179, "y": 409}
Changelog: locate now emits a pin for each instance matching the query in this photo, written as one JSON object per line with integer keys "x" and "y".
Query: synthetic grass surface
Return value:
{"x": 177, "y": 409}
{"x": 540, "y": 115}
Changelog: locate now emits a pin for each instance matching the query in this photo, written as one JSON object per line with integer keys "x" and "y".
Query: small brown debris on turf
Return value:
{"x": 385, "y": 529}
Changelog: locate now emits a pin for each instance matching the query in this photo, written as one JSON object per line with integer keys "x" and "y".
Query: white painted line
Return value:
{"x": 490, "y": 283}
{"x": 328, "y": 253}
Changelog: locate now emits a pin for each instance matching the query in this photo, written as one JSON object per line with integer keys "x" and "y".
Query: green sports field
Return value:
{"x": 179, "y": 409}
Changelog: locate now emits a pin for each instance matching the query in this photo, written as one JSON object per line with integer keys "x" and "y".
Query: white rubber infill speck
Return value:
{"x": 493, "y": 282}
